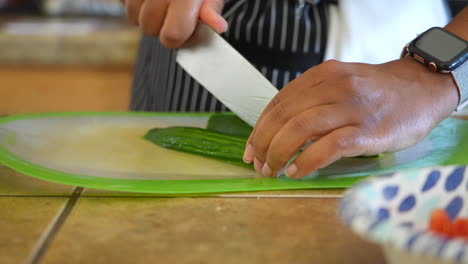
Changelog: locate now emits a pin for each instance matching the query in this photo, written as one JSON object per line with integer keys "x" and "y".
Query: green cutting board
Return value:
{"x": 107, "y": 151}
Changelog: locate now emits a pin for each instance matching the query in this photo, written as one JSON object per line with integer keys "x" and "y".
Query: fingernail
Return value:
{"x": 291, "y": 170}
{"x": 248, "y": 154}
{"x": 266, "y": 170}
{"x": 257, "y": 165}
{"x": 222, "y": 25}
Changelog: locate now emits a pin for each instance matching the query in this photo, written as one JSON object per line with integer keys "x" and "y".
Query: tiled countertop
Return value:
{"x": 42, "y": 222}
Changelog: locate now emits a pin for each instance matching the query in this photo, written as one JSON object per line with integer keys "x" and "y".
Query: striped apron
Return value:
{"x": 281, "y": 38}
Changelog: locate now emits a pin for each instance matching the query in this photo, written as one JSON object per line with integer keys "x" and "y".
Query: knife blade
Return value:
{"x": 223, "y": 71}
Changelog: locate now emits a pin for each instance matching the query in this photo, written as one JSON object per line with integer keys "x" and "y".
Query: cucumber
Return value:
{"x": 202, "y": 142}
{"x": 224, "y": 139}
{"x": 230, "y": 124}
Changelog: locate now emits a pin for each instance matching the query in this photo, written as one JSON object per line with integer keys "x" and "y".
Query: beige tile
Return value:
{"x": 15, "y": 183}
{"x": 464, "y": 117}
{"x": 462, "y": 113}
{"x": 22, "y": 222}
{"x": 207, "y": 230}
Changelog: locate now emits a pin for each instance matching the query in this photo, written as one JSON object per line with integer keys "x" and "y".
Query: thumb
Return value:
{"x": 210, "y": 13}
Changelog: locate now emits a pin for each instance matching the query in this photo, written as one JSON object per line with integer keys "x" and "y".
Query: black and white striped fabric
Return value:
{"x": 281, "y": 38}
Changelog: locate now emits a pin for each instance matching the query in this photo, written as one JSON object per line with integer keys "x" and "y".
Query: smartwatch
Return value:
{"x": 445, "y": 52}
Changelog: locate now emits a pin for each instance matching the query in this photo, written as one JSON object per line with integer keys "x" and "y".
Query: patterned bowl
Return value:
{"x": 394, "y": 210}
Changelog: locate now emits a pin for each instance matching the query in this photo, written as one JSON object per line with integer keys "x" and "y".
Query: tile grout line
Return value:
{"x": 52, "y": 229}
{"x": 34, "y": 196}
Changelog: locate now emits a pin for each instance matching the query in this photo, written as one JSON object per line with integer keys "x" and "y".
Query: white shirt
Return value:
{"x": 375, "y": 31}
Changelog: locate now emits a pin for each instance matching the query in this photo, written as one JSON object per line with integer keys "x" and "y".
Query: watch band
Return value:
{"x": 460, "y": 75}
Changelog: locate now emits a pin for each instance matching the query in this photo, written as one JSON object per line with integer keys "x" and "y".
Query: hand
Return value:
{"x": 349, "y": 109}
{"x": 174, "y": 21}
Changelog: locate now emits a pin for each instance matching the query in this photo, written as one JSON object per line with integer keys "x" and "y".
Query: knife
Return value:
{"x": 223, "y": 71}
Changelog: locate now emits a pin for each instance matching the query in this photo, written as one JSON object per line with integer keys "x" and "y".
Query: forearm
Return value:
{"x": 459, "y": 24}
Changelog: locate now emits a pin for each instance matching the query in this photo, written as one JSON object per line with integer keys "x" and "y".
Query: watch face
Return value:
{"x": 441, "y": 44}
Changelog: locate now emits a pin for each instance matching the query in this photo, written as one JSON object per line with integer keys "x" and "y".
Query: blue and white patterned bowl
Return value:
{"x": 394, "y": 210}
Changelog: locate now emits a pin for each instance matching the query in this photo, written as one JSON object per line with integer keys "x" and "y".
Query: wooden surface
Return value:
{"x": 61, "y": 88}
{"x": 110, "y": 227}
{"x": 23, "y": 221}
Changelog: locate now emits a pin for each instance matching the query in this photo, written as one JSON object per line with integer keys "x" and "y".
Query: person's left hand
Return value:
{"x": 349, "y": 109}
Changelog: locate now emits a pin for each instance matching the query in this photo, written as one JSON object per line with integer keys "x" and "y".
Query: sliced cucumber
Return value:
{"x": 202, "y": 142}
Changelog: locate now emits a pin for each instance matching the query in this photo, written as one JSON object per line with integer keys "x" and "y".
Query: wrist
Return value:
{"x": 440, "y": 88}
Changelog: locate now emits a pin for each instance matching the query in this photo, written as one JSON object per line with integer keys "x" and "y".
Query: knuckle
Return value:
{"x": 332, "y": 70}
{"x": 259, "y": 147}
{"x": 360, "y": 99}
{"x": 273, "y": 159}
{"x": 300, "y": 125}
{"x": 350, "y": 83}
{"x": 322, "y": 117}
{"x": 354, "y": 87}
{"x": 148, "y": 29}
{"x": 331, "y": 63}
{"x": 278, "y": 156}
{"x": 276, "y": 100}
{"x": 369, "y": 119}
{"x": 352, "y": 143}
{"x": 279, "y": 110}
{"x": 343, "y": 142}
{"x": 173, "y": 38}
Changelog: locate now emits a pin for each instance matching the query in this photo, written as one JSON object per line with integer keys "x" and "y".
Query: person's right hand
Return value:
{"x": 174, "y": 21}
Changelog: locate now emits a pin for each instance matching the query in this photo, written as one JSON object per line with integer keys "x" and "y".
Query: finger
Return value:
{"x": 210, "y": 13}
{"x": 152, "y": 15}
{"x": 308, "y": 125}
{"x": 132, "y": 9}
{"x": 123, "y": 2}
{"x": 343, "y": 142}
{"x": 278, "y": 116}
{"x": 280, "y": 101}
{"x": 181, "y": 19}
{"x": 249, "y": 154}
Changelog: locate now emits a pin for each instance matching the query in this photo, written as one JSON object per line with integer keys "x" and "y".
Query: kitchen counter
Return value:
{"x": 54, "y": 88}
{"x": 42, "y": 222}
{"x": 66, "y": 64}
